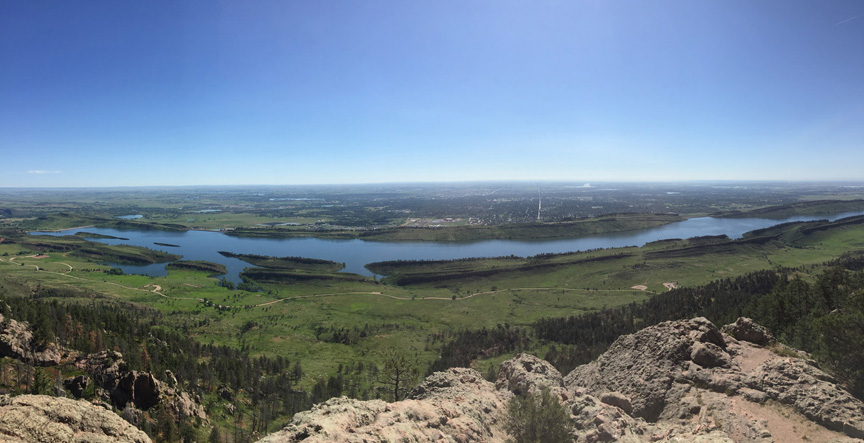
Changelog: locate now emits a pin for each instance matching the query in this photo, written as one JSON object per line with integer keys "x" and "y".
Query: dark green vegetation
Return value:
{"x": 94, "y": 235}
{"x": 289, "y": 270}
{"x": 198, "y": 265}
{"x": 290, "y": 263}
{"x": 539, "y": 418}
{"x": 81, "y": 248}
{"x": 295, "y": 331}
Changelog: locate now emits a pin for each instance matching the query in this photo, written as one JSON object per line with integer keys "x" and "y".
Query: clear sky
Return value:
{"x": 127, "y": 93}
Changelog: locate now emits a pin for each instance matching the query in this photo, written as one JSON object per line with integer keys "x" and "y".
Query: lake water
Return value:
{"x": 203, "y": 245}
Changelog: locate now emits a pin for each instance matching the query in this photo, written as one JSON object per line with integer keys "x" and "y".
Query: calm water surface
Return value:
{"x": 203, "y": 245}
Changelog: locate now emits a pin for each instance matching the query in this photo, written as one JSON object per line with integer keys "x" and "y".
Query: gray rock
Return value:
{"x": 668, "y": 370}
{"x": 40, "y": 418}
{"x": 454, "y": 405}
{"x": 619, "y": 400}
{"x": 643, "y": 366}
{"x": 811, "y": 392}
{"x": 16, "y": 341}
{"x": 598, "y": 421}
{"x": 709, "y": 355}
{"x": 526, "y": 374}
{"x": 746, "y": 330}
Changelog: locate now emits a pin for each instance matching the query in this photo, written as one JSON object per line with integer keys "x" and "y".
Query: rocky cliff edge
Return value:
{"x": 40, "y": 418}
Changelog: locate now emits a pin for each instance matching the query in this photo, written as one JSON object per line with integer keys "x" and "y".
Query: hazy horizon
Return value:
{"x": 575, "y": 184}
{"x": 108, "y": 94}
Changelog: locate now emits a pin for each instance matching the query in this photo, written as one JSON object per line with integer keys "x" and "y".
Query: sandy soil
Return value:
{"x": 639, "y": 287}
{"x": 750, "y": 357}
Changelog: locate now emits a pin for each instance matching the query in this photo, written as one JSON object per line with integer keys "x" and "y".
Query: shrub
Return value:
{"x": 539, "y": 418}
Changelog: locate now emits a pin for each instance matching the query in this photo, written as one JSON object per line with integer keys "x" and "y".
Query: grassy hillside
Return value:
{"x": 815, "y": 207}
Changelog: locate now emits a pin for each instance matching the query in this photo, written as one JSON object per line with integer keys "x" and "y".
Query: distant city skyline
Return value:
{"x": 162, "y": 93}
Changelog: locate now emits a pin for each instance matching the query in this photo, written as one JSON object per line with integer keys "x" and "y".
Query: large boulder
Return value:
{"x": 746, "y": 330}
{"x": 40, "y": 418}
{"x": 527, "y": 374}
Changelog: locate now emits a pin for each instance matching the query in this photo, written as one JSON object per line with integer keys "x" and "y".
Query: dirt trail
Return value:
{"x": 784, "y": 423}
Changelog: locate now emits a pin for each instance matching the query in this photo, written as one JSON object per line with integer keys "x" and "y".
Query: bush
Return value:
{"x": 539, "y": 418}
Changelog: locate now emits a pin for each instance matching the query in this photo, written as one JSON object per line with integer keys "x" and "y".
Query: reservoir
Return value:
{"x": 204, "y": 245}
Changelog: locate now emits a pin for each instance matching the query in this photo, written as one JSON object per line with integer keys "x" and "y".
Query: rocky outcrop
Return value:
{"x": 643, "y": 366}
{"x": 456, "y": 405}
{"x": 676, "y": 381}
{"x": 77, "y": 385}
{"x": 40, "y": 418}
{"x": 679, "y": 372}
{"x": 16, "y": 341}
{"x": 527, "y": 374}
{"x": 140, "y": 390}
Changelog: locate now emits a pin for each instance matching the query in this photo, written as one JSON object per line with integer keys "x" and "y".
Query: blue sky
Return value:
{"x": 301, "y": 92}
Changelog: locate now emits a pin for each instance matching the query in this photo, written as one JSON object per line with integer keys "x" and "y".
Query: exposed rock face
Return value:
{"x": 40, "y": 418}
{"x": 456, "y": 405}
{"x": 643, "y": 366}
{"x": 140, "y": 390}
{"x": 676, "y": 381}
{"x": 16, "y": 341}
{"x": 77, "y": 385}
